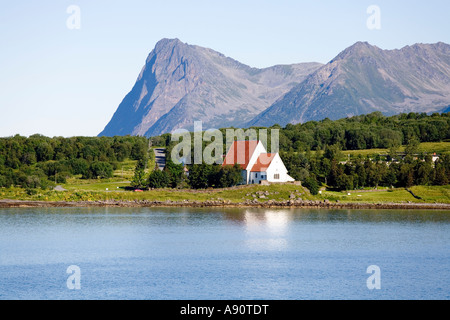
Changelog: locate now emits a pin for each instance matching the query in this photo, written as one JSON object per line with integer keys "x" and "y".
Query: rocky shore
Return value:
{"x": 225, "y": 203}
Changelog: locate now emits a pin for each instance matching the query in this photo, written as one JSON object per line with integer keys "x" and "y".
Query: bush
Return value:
{"x": 79, "y": 166}
{"x": 175, "y": 171}
{"x": 229, "y": 176}
{"x": 158, "y": 179}
{"x": 99, "y": 169}
{"x": 311, "y": 183}
{"x": 31, "y": 192}
{"x": 139, "y": 175}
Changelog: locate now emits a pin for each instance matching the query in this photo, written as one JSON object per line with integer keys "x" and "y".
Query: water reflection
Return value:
{"x": 266, "y": 230}
{"x": 279, "y": 218}
{"x": 274, "y": 222}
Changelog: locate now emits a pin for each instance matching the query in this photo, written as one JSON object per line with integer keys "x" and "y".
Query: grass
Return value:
{"x": 126, "y": 169}
{"x": 97, "y": 191}
{"x": 77, "y": 184}
{"x": 428, "y": 194}
{"x": 425, "y": 147}
{"x": 439, "y": 194}
{"x": 438, "y": 147}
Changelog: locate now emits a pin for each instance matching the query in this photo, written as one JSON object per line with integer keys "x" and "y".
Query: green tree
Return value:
{"x": 79, "y": 166}
{"x": 441, "y": 175}
{"x": 424, "y": 172}
{"x": 139, "y": 180}
{"x": 333, "y": 152}
{"x": 344, "y": 182}
{"x": 229, "y": 176}
{"x": 199, "y": 176}
{"x": 413, "y": 146}
{"x": 44, "y": 151}
{"x": 311, "y": 184}
{"x": 158, "y": 179}
{"x": 139, "y": 150}
{"x": 406, "y": 175}
{"x": 99, "y": 169}
{"x": 390, "y": 178}
{"x": 175, "y": 171}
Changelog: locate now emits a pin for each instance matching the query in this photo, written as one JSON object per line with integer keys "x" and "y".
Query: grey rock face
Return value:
{"x": 363, "y": 79}
{"x": 182, "y": 83}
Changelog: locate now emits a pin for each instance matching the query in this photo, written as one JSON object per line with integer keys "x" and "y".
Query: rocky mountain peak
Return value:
{"x": 182, "y": 83}
{"x": 363, "y": 79}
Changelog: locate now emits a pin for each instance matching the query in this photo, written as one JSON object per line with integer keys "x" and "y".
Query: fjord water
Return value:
{"x": 189, "y": 253}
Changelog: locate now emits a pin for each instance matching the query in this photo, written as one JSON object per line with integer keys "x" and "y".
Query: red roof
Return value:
{"x": 263, "y": 162}
{"x": 240, "y": 152}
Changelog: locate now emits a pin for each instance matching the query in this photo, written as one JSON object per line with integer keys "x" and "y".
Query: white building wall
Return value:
{"x": 277, "y": 168}
{"x": 258, "y": 150}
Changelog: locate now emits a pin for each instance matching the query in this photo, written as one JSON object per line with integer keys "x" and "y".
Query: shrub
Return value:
{"x": 158, "y": 179}
{"x": 311, "y": 183}
{"x": 99, "y": 169}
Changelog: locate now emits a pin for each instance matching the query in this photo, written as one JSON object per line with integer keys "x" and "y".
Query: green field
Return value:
{"x": 425, "y": 147}
{"x": 428, "y": 194}
{"x": 97, "y": 191}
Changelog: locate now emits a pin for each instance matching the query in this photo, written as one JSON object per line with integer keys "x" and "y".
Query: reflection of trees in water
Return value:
{"x": 272, "y": 219}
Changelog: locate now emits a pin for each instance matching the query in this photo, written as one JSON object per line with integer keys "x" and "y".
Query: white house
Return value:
{"x": 257, "y": 165}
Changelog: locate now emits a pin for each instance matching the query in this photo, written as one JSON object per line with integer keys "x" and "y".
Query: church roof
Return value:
{"x": 263, "y": 162}
{"x": 240, "y": 152}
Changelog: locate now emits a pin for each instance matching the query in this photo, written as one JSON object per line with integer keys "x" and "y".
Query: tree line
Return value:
{"x": 197, "y": 176}
{"x": 362, "y": 172}
{"x": 368, "y": 131}
{"x": 39, "y": 161}
{"x": 312, "y": 151}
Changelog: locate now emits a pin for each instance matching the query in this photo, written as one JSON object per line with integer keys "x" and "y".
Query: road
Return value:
{"x": 160, "y": 157}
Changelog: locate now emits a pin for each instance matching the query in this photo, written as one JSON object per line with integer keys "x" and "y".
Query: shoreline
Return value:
{"x": 5, "y": 203}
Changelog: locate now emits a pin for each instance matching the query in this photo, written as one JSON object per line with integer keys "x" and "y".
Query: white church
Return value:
{"x": 257, "y": 165}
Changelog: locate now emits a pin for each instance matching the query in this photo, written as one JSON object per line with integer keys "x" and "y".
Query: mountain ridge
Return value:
{"x": 363, "y": 79}
{"x": 182, "y": 83}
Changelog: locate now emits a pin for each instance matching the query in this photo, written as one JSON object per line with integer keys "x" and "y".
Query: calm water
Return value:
{"x": 129, "y": 253}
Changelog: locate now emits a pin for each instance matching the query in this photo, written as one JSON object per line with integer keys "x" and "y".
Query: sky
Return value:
{"x": 65, "y": 66}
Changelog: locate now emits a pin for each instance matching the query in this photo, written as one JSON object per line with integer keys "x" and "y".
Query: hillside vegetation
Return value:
{"x": 370, "y": 152}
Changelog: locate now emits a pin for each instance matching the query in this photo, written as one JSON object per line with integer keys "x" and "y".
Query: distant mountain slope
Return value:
{"x": 363, "y": 79}
{"x": 445, "y": 110}
{"x": 182, "y": 83}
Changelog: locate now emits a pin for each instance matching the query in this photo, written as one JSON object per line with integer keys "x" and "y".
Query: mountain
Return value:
{"x": 182, "y": 83}
{"x": 445, "y": 110}
{"x": 364, "y": 78}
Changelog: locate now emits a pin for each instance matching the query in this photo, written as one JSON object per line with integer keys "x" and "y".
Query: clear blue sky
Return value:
{"x": 61, "y": 82}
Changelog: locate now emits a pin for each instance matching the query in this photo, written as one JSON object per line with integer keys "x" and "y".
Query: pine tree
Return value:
{"x": 139, "y": 180}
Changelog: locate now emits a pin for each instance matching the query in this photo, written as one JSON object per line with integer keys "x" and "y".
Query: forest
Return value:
{"x": 312, "y": 153}
{"x": 369, "y": 131}
{"x": 41, "y": 162}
